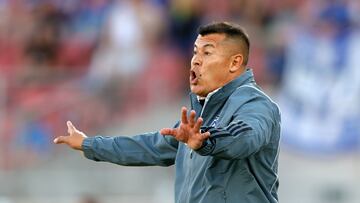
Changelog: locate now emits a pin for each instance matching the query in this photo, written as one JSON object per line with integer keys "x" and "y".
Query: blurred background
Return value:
{"x": 120, "y": 67}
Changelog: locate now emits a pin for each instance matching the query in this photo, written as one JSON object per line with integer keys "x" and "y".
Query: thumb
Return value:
{"x": 168, "y": 131}
{"x": 61, "y": 139}
{"x": 71, "y": 127}
{"x": 206, "y": 135}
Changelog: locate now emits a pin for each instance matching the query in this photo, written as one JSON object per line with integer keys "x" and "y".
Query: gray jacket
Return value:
{"x": 238, "y": 163}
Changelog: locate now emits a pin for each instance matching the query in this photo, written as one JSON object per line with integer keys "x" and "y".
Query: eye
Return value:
{"x": 207, "y": 53}
{"x": 194, "y": 52}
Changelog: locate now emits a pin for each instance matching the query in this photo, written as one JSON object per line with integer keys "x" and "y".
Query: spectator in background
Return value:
{"x": 123, "y": 52}
{"x": 184, "y": 16}
{"x": 14, "y": 26}
{"x": 43, "y": 44}
{"x": 321, "y": 88}
{"x": 233, "y": 156}
{"x": 84, "y": 23}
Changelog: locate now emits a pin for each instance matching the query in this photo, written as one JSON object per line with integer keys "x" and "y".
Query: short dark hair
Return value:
{"x": 230, "y": 30}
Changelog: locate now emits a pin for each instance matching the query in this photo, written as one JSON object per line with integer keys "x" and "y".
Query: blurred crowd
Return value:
{"x": 98, "y": 62}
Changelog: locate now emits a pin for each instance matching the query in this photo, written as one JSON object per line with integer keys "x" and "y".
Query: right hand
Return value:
{"x": 188, "y": 131}
{"x": 74, "y": 139}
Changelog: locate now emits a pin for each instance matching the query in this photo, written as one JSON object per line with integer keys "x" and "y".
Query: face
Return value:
{"x": 210, "y": 64}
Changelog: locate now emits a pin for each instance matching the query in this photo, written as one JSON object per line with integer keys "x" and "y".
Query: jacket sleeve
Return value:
{"x": 250, "y": 129}
{"x": 140, "y": 150}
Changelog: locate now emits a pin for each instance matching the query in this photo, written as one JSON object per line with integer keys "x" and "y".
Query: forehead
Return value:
{"x": 209, "y": 40}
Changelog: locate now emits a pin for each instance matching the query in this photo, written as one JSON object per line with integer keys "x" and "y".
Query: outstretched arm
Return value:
{"x": 140, "y": 150}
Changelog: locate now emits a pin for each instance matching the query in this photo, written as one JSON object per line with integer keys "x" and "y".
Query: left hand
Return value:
{"x": 74, "y": 139}
{"x": 188, "y": 131}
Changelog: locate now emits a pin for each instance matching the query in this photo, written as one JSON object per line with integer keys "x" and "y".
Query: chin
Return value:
{"x": 198, "y": 91}
{"x": 195, "y": 90}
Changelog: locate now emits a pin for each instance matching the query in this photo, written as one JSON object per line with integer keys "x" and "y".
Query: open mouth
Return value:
{"x": 193, "y": 77}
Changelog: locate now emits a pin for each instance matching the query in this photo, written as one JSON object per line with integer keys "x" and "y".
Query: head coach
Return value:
{"x": 225, "y": 149}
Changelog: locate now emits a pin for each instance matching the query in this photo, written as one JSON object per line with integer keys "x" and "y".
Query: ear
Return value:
{"x": 236, "y": 63}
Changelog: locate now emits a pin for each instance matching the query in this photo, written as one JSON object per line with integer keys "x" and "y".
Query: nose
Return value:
{"x": 196, "y": 61}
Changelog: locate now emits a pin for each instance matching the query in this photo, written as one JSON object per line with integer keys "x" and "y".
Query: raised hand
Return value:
{"x": 74, "y": 139}
{"x": 188, "y": 131}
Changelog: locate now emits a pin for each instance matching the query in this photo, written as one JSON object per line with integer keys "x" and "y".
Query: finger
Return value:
{"x": 184, "y": 115}
{"x": 71, "y": 128}
{"x": 198, "y": 124}
{"x": 168, "y": 131}
{"x": 205, "y": 135}
{"x": 192, "y": 118}
{"x": 61, "y": 139}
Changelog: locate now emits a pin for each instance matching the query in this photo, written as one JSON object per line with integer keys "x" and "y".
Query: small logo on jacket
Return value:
{"x": 215, "y": 122}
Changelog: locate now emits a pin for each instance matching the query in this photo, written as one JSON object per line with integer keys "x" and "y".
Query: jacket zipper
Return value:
{"x": 201, "y": 112}
{"x": 191, "y": 150}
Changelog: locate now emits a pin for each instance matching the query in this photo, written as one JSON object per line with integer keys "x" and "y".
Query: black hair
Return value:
{"x": 231, "y": 30}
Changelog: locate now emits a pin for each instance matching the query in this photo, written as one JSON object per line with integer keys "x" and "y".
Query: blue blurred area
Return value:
{"x": 37, "y": 136}
{"x": 320, "y": 91}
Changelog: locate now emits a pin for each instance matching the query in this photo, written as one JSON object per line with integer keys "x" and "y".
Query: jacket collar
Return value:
{"x": 245, "y": 78}
{"x": 225, "y": 91}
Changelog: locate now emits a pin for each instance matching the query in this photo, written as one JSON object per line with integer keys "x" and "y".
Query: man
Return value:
{"x": 226, "y": 148}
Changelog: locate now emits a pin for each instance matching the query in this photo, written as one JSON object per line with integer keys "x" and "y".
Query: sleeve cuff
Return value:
{"x": 87, "y": 147}
{"x": 207, "y": 148}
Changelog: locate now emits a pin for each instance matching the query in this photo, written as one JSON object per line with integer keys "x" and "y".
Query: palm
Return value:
{"x": 188, "y": 131}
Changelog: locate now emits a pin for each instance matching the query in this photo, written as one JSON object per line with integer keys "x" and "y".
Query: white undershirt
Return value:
{"x": 208, "y": 96}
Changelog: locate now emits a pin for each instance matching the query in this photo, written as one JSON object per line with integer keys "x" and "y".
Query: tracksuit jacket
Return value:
{"x": 238, "y": 163}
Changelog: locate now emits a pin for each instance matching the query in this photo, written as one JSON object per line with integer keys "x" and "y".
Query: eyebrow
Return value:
{"x": 205, "y": 46}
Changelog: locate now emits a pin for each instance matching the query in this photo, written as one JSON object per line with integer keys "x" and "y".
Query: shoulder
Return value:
{"x": 254, "y": 97}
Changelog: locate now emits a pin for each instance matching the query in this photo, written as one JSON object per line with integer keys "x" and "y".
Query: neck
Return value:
{"x": 235, "y": 75}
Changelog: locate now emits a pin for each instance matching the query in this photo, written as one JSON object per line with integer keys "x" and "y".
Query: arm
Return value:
{"x": 141, "y": 150}
{"x": 250, "y": 129}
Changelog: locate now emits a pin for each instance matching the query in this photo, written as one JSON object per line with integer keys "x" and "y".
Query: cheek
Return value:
{"x": 212, "y": 71}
